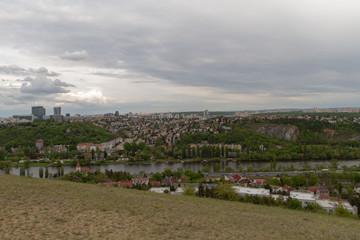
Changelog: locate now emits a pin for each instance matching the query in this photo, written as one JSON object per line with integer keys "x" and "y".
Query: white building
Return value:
{"x": 159, "y": 189}
{"x": 304, "y": 197}
{"x": 261, "y": 192}
{"x": 330, "y": 206}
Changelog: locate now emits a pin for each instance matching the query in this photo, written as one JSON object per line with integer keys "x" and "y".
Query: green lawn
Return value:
{"x": 52, "y": 209}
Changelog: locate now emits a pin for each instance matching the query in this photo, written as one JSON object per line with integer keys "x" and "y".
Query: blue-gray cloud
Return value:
{"x": 43, "y": 85}
{"x": 19, "y": 71}
{"x": 275, "y": 47}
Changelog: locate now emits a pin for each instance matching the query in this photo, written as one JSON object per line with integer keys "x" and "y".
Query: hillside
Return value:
{"x": 52, "y": 134}
{"x": 53, "y": 209}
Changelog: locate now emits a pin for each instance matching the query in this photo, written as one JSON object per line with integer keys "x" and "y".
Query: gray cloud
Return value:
{"x": 19, "y": 71}
{"x": 43, "y": 85}
{"x": 283, "y": 49}
{"x": 75, "y": 56}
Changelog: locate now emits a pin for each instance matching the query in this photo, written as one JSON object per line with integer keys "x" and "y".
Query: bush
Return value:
{"x": 314, "y": 207}
{"x": 342, "y": 212}
{"x": 189, "y": 190}
{"x": 294, "y": 204}
{"x": 226, "y": 192}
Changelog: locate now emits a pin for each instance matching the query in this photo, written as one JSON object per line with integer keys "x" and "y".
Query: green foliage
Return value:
{"x": 226, "y": 192}
{"x": 342, "y": 212}
{"x": 294, "y": 204}
{"x": 206, "y": 168}
{"x": 229, "y": 169}
{"x": 22, "y": 171}
{"x": 273, "y": 181}
{"x": 156, "y": 177}
{"x": 314, "y": 207}
{"x": 52, "y": 133}
{"x": 286, "y": 181}
{"x": 217, "y": 167}
{"x": 46, "y": 172}
{"x": 313, "y": 180}
{"x": 334, "y": 163}
{"x": 189, "y": 190}
{"x": 298, "y": 181}
{"x": 41, "y": 172}
{"x": 117, "y": 176}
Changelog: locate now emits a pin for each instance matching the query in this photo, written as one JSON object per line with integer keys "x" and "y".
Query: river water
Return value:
{"x": 194, "y": 166}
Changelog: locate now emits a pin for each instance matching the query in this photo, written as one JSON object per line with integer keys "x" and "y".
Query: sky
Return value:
{"x": 173, "y": 55}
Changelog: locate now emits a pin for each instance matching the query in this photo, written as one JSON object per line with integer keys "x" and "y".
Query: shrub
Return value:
{"x": 294, "y": 204}
{"x": 189, "y": 190}
{"x": 226, "y": 192}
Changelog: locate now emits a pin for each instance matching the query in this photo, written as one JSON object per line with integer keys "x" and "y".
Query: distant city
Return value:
{"x": 39, "y": 112}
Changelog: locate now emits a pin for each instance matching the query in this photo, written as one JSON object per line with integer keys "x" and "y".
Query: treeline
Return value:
{"x": 52, "y": 133}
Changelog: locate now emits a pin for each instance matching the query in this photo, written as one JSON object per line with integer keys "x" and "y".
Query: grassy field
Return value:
{"x": 51, "y": 209}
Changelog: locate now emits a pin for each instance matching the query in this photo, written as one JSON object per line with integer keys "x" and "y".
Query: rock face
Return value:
{"x": 287, "y": 132}
{"x": 330, "y": 134}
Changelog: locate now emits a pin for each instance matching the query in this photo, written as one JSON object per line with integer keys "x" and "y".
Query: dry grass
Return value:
{"x": 49, "y": 209}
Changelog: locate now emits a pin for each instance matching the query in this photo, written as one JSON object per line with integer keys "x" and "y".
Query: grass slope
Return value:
{"x": 51, "y": 209}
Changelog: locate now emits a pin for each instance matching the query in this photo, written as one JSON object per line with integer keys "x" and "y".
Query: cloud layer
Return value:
{"x": 176, "y": 55}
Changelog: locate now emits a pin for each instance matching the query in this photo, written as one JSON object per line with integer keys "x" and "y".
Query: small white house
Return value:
{"x": 304, "y": 197}
{"x": 159, "y": 189}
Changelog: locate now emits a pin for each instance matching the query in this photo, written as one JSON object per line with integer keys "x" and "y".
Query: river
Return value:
{"x": 134, "y": 168}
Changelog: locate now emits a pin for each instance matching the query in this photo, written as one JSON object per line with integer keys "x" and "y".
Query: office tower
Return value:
{"x": 38, "y": 111}
{"x": 57, "y": 110}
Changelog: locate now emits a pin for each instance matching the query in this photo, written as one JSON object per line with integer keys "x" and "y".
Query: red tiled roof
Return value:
{"x": 140, "y": 179}
{"x": 78, "y": 164}
{"x": 314, "y": 189}
{"x": 237, "y": 177}
{"x": 85, "y": 144}
{"x": 128, "y": 183}
{"x": 155, "y": 183}
{"x": 259, "y": 180}
{"x": 176, "y": 180}
{"x": 333, "y": 198}
{"x": 86, "y": 169}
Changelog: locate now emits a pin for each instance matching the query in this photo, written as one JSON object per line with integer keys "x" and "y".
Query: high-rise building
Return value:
{"x": 38, "y": 111}
{"x": 116, "y": 113}
{"x": 57, "y": 110}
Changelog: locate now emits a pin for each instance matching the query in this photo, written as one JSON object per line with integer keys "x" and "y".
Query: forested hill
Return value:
{"x": 52, "y": 134}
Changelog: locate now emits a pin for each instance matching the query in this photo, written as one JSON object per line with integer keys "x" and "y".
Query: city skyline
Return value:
{"x": 90, "y": 57}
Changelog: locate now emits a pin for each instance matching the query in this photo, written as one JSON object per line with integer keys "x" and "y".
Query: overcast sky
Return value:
{"x": 166, "y": 55}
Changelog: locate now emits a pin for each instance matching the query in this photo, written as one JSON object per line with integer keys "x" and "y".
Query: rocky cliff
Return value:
{"x": 330, "y": 134}
{"x": 279, "y": 131}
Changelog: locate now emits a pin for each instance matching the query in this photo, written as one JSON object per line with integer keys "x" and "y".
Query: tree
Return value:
{"x": 22, "y": 171}
{"x": 2, "y": 155}
{"x": 167, "y": 172}
{"x": 227, "y": 192}
{"x": 201, "y": 192}
{"x": 229, "y": 169}
{"x": 206, "y": 168}
{"x": 92, "y": 154}
{"x": 286, "y": 181}
{"x": 298, "y": 180}
{"x": 313, "y": 180}
{"x": 41, "y": 172}
{"x": 217, "y": 167}
{"x": 46, "y": 172}
{"x": 334, "y": 163}
{"x": 156, "y": 177}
